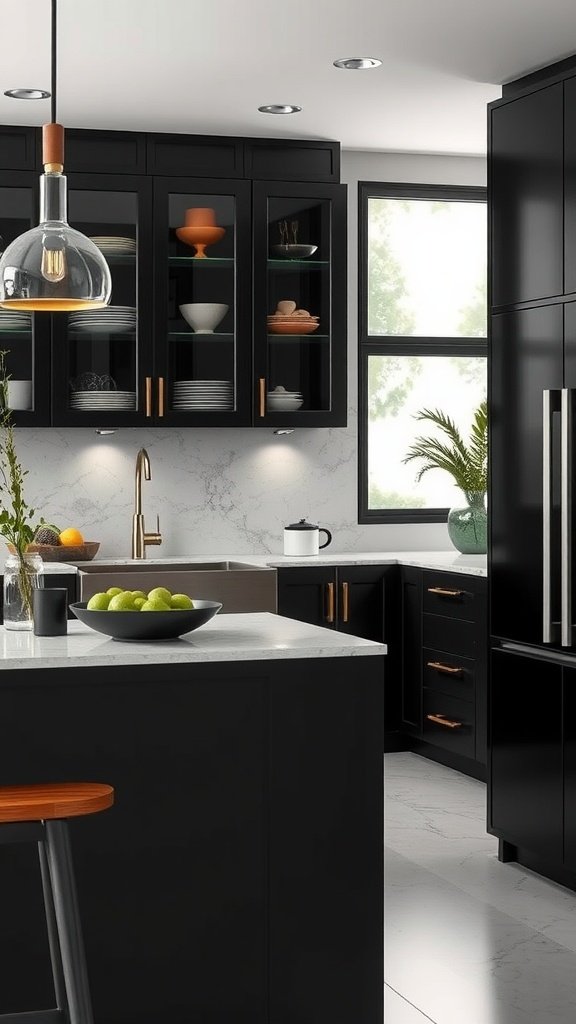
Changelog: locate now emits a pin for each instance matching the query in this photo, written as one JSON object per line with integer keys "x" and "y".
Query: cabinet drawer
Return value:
{"x": 455, "y": 636}
{"x": 458, "y": 738}
{"x": 449, "y": 673}
{"x": 446, "y": 594}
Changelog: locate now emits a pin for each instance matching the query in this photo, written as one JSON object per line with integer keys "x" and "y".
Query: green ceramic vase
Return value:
{"x": 467, "y": 525}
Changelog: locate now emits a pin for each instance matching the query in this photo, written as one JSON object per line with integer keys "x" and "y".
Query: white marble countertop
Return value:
{"x": 260, "y": 636}
{"x": 447, "y": 561}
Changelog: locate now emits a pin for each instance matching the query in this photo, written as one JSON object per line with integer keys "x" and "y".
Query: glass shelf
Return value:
{"x": 287, "y": 263}
{"x": 224, "y": 261}
{"x": 195, "y": 336}
{"x": 106, "y": 335}
{"x": 17, "y": 330}
{"x": 290, "y": 337}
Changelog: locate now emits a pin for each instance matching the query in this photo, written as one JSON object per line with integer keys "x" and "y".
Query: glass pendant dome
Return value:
{"x": 52, "y": 267}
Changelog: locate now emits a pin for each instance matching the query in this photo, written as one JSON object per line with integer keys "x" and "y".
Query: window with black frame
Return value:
{"x": 422, "y": 337}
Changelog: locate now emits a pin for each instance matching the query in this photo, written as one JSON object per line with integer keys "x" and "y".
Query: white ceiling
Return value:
{"x": 205, "y": 67}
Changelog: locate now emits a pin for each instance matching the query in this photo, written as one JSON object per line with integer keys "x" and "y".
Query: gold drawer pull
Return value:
{"x": 449, "y": 670}
{"x": 161, "y": 392}
{"x": 448, "y": 723}
{"x": 345, "y": 602}
{"x": 446, "y": 593}
{"x": 148, "y": 399}
{"x": 330, "y": 594}
{"x": 262, "y": 396}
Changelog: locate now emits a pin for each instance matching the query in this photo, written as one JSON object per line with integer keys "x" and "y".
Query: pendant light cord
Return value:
{"x": 53, "y": 64}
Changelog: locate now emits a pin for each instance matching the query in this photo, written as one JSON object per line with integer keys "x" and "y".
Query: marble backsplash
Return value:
{"x": 225, "y": 490}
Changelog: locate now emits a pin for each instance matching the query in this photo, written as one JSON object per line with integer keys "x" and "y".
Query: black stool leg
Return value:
{"x": 63, "y": 886}
{"x": 52, "y": 927}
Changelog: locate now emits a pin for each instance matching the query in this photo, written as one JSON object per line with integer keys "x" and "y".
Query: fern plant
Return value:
{"x": 467, "y": 462}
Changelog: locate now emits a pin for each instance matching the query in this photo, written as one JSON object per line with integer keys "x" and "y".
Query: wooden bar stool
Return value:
{"x": 38, "y": 814}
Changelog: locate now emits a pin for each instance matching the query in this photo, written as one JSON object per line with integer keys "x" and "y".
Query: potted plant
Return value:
{"x": 467, "y": 464}
{"x": 22, "y": 570}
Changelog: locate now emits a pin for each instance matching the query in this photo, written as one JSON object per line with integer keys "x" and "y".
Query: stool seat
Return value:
{"x": 51, "y": 800}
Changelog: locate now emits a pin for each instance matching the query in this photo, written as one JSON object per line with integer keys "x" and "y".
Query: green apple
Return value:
{"x": 99, "y": 602}
{"x": 155, "y": 605}
{"x": 138, "y": 602}
{"x": 160, "y": 594}
{"x": 123, "y": 602}
{"x": 138, "y": 593}
{"x": 113, "y": 591}
{"x": 181, "y": 602}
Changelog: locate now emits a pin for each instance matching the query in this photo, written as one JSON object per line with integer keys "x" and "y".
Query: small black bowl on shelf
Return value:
{"x": 293, "y": 251}
{"x": 146, "y": 626}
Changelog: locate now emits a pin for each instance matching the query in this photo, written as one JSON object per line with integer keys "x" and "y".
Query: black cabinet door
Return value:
{"x": 325, "y": 845}
{"x": 308, "y": 595}
{"x": 361, "y": 601}
{"x": 569, "y": 186}
{"x": 527, "y": 357}
{"x": 570, "y": 769}
{"x": 525, "y": 757}
{"x": 411, "y": 642}
{"x": 101, "y": 359}
{"x": 299, "y": 233}
{"x": 203, "y": 317}
{"x": 527, "y": 192}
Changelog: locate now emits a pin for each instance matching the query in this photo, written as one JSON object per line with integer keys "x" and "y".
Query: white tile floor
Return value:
{"x": 467, "y": 940}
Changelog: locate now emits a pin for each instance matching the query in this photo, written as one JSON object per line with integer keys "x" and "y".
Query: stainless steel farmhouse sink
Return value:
{"x": 240, "y": 587}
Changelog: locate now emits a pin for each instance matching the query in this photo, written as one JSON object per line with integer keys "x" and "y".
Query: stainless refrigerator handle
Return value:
{"x": 547, "y": 517}
{"x": 566, "y": 426}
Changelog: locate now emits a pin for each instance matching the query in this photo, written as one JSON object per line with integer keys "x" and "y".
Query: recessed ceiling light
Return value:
{"x": 279, "y": 108}
{"x": 27, "y": 94}
{"x": 357, "y": 63}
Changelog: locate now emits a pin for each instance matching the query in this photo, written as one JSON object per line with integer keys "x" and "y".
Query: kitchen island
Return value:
{"x": 238, "y": 877}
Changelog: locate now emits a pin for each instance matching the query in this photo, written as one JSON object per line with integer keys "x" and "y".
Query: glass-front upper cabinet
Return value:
{"x": 299, "y": 304}
{"x": 202, "y": 345}
{"x": 24, "y": 337}
{"x": 102, "y": 357}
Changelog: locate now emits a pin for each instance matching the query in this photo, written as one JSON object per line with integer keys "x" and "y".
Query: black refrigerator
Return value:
{"x": 532, "y": 486}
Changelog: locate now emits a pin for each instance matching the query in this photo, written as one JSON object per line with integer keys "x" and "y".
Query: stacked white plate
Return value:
{"x": 105, "y": 401}
{"x": 111, "y": 245}
{"x": 280, "y": 400}
{"x": 12, "y": 321}
{"x": 109, "y": 320}
{"x": 203, "y": 394}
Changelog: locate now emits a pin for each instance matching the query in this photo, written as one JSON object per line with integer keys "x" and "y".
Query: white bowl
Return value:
{"x": 284, "y": 404}
{"x": 203, "y": 317}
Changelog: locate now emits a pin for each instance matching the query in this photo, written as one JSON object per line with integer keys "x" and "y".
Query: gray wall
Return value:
{"x": 233, "y": 490}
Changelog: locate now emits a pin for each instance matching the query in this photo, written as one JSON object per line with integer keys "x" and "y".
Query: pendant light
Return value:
{"x": 53, "y": 267}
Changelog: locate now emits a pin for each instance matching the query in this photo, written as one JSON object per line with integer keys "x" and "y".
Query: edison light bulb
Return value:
{"x": 53, "y": 265}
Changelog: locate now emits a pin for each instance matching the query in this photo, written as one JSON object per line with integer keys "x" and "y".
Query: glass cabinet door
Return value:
{"x": 101, "y": 357}
{"x": 300, "y": 304}
{"x": 202, "y": 275}
{"x": 24, "y": 337}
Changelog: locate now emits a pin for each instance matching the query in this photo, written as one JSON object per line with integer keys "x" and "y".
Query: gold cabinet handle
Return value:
{"x": 345, "y": 602}
{"x": 446, "y": 593}
{"x": 449, "y": 670}
{"x": 262, "y": 395}
{"x": 161, "y": 391}
{"x": 448, "y": 723}
{"x": 330, "y": 602}
{"x": 148, "y": 396}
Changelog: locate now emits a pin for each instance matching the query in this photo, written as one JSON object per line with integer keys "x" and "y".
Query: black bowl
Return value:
{"x": 146, "y": 625}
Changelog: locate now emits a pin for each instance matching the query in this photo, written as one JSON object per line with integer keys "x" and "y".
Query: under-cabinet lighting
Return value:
{"x": 284, "y": 430}
{"x": 27, "y": 94}
{"x": 357, "y": 63}
{"x": 106, "y": 430}
{"x": 279, "y": 108}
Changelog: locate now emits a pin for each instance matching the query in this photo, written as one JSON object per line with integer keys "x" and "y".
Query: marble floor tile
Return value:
{"x": 468, "y": 939}
{"x": 398, "y": 1011}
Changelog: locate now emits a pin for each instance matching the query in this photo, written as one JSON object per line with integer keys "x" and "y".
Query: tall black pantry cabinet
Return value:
{"x": 532, "y": 389}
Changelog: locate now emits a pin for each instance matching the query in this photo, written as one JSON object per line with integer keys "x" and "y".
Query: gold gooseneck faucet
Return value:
{"x": 139, "y": 536}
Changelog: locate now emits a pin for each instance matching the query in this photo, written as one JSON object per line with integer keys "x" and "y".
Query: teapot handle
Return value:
{"x": 329, "y": 536}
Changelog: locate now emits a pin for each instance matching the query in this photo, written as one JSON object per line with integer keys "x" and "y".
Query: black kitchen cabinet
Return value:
{"x": 350, "y": 599}
{"x": 443, "y": 676}
{"x": 24, "y": 337}
{"x": 152, "y": 365}
{"x": 308, "y": 595}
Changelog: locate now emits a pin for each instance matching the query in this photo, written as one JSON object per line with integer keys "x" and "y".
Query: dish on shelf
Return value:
{"x": 203, "y": 317}
{"x": 294, "y": 252}
{"x": 112, "y": 245}
{"x": 111, "y": 320}
{"x": 197, "y": 394}
{"x": 105, "y": 401}
{"x": 62, "y": 553}
{"x": 281, "y": 400}
{"x": 302, "y": 326}
{"x": 146, "y": 626}
{"x": 200, "y": 238}
{"x": 10, "y": 321}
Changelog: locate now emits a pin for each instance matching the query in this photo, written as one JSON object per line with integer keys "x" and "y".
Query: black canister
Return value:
{"x": 50, "y": 611}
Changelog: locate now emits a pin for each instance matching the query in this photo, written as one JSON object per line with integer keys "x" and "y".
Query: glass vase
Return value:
{"x": 21, "y": 576}
{"x": 467, "y": 525}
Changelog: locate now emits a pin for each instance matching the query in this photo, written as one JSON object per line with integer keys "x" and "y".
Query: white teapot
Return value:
{"x": 303, "y": 538}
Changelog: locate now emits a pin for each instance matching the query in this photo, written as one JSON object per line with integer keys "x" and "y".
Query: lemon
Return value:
{"x": 160, "y": 594}
{"x": 155, "y": 605}
{"x": 138, "y": 602}
{"x": 112, "y": 591}
{"x": 99, "y": 602}
{"x": 138, "y": 593}
{"x": 181, "y": 602}
{"x": 122, "y": 603}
